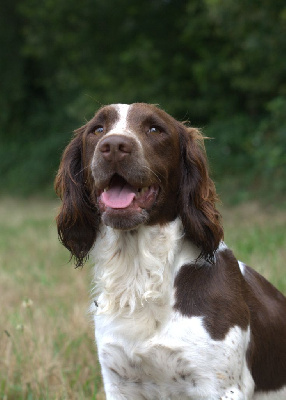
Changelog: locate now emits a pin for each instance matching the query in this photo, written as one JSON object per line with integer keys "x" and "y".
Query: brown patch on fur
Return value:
{"x": 78, "y": 219}
{"x": 201, "y": 219}
{"x": 214, "y": 291}
{"x": 226, "y": 298}
{"x": 267, "y": 350}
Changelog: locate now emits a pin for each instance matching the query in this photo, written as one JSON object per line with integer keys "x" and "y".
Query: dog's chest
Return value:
{"x": 148, "y": 351}
{"x": 179, "y": 361}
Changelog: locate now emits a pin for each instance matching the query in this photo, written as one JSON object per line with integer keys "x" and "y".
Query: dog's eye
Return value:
{"x": 98, "y": 130}
{"x": 154, "y": 129}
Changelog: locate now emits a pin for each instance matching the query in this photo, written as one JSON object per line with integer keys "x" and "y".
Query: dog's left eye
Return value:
{"x": 154, "y": 129}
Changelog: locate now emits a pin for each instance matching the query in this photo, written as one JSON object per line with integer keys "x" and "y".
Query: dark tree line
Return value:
{"x": 221, "y": 64}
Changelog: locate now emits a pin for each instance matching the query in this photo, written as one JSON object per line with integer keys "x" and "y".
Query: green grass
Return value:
{"x": 257, "y": 237}
{"x": 47, "y": 343}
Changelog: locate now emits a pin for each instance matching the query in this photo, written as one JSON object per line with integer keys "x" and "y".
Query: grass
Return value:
{"x": 46, "y": 337}
{"x": 257, "y": 237}
{"x": 47, "y": 342}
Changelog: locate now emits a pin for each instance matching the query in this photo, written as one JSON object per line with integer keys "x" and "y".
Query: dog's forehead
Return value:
{"x": 123, "y": 116}
{"x": 132, "y": 119}
{"x": 122, "y": 110}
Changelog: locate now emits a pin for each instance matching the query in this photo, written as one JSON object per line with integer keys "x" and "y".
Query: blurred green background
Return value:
{"x": 221, "y": 64}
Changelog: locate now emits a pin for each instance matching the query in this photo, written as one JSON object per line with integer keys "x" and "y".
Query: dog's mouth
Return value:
{"x": 121, "y": 195}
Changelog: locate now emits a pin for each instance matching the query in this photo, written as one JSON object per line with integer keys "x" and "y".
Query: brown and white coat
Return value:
{"x": 176, "y": 315}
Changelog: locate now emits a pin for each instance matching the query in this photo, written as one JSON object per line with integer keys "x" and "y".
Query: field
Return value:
{"x": 46, "y": 344}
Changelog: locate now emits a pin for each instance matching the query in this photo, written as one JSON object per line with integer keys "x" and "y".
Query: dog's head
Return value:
{"x": 132, "y": 165}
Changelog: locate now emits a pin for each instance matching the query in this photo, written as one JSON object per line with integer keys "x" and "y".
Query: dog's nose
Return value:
{"x": 115, "y": 147}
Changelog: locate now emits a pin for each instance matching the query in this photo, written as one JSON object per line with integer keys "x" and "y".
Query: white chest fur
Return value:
{"x": 181, "y": 361}
{"x": 134, "y": 274}
{"x": 146, "y": 350}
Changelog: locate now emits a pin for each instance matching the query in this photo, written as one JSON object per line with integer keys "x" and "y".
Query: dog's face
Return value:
{"x": 133, "y": 158}
{"x": 132, "y": 165}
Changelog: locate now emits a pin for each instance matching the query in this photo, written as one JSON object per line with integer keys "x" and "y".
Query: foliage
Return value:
{"x": 218, "y": 63}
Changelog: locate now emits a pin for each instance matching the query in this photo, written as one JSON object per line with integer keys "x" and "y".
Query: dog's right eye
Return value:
{"x": 98, "y": 130}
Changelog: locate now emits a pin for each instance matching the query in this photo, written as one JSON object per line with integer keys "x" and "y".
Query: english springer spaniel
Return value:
{"x": 176, "y": 315}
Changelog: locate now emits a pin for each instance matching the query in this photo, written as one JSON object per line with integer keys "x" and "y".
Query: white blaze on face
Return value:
{"x": 120, "y": 127}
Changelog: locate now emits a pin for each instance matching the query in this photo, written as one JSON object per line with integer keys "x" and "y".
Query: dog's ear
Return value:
{"x": 197, "y": 196}
{"x": 78, "y": 218}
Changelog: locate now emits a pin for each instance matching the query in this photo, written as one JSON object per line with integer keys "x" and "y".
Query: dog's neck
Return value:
{"x": 134, "y": 271}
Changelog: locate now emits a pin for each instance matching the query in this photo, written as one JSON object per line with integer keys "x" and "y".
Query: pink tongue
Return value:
{"x": 119, "y": 195}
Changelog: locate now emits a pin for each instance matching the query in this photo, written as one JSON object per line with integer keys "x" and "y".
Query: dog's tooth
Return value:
{"x": 144, "y": 190}
{"x": 106, "y": 189}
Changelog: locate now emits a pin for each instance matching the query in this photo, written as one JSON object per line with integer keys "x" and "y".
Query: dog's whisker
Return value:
{"x": 79, "y": 172}
{"x": 153, "y": 172}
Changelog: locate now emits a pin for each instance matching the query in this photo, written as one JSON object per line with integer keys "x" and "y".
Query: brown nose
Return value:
{"x": 115, "y": 147}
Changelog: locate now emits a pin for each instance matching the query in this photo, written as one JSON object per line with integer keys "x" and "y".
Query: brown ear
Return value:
{"x": 197, "y": 196}
{"x": 78, "y": 219}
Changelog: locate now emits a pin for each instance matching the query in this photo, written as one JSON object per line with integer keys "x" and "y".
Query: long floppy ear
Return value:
{"x": 78, "y": 218}
{"x": 197, "y": 197}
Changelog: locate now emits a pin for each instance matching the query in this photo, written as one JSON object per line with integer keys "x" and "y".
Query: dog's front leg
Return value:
{"x": 112, "y": 384}
{"x": 118, "y": 388}
{"x": 122, "y": 380}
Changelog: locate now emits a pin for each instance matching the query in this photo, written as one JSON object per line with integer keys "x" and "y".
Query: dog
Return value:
{"x": 176, "y": 315}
